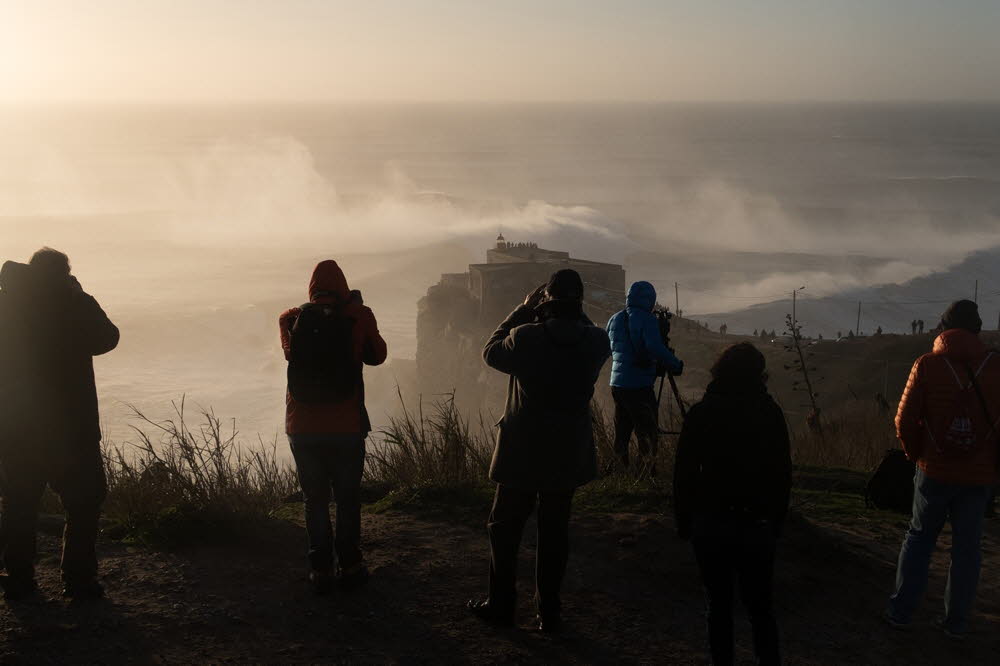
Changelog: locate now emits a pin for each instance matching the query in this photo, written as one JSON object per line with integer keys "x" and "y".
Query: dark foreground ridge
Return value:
{"x": 632, "y": 595}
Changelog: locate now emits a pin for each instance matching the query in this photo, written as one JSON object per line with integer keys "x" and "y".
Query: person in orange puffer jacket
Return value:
{"x": 947, "y": 423}
{"x": 327, "y": 437}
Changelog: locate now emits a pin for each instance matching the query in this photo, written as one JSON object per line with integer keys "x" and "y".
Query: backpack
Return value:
{"x": 960, "y": 438}
{"x": 890, "y": 487}
{"x": 322, "y": 367}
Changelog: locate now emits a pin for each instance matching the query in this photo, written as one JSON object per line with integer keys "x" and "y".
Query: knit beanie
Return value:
{"x": 962, "y": 314}
{"x": 565, "y": 285}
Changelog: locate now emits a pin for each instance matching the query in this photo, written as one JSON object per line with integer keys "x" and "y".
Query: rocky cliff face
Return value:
{"x": 450, "y": 341}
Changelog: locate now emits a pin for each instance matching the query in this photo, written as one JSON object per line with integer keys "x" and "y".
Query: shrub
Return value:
{"x": 175, "y": 482}
{"x": 853, "y": 437}
{"x": 439, "y": 449}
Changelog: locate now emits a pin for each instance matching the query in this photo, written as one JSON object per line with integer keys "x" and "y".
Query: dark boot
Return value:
{"x": 549, "y": 624}
{"x": 18, "y": 588}
{"x": 490, "y": 614}
{"x": 354, "y": 577}
{"x": 321, "y": 581}
{"x": 83, "y": 590}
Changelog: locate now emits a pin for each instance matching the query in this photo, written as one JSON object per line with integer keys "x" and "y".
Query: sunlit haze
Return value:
{"x": 520, "y": 50}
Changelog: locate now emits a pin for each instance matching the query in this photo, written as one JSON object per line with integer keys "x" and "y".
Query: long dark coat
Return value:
{"x": 733, "y": 458}
{"x": 49, "y": 333}
{"x": 545, "y": 440}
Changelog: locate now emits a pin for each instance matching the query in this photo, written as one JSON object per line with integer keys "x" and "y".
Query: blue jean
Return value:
{"x": 934, "y": 502}
{"x": 325, "y": 464}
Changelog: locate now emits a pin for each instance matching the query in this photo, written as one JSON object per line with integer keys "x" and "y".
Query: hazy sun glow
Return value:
{"x": 518, "y": 50}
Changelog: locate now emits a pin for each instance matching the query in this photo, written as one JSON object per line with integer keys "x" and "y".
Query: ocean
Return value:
{"x": 196, "y": 225}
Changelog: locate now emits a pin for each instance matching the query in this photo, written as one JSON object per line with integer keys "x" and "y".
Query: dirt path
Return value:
{"x": 635, "y": 603}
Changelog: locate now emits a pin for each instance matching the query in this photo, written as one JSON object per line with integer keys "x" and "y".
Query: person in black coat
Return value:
{"x": 50, "y": 433}
{"x": 545, "y": 442}
{"x": 732, "y": 481}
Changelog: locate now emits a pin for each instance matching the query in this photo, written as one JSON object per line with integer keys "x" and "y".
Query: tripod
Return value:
{"x": 677, "y": 397}
{"x": 663, "y": 318}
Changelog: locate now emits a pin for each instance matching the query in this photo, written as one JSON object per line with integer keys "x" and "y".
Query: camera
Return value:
{"x": 663, "y": 317}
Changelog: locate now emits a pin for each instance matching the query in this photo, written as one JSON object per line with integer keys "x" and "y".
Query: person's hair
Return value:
{"x": 51, "y": 261}
{"x": 741, "y": 363}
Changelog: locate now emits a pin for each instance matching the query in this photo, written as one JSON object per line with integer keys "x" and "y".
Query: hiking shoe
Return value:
{"x": 17, "y": 589}
{"x": 354, "y": 577}
{"x": 549, "y": 624}
{"x": 894, "y": 623}
{"x": 84, "y": 590}
{"x": 942, "y": 624}
{"x": 490, "y": 614}
{"x": 321, "y": 581}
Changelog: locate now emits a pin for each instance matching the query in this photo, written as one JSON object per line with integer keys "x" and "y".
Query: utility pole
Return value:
{"x": 677, "y": 300}
{"x": 975, "y": 297}
{"x": 857, "y": 329}
{"x": 794, "y": 319}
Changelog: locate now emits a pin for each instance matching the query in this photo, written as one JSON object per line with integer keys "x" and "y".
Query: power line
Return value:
{"x": 810, "y": 298}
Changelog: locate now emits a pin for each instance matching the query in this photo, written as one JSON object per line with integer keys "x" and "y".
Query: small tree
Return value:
{"x": 799, "y": 365}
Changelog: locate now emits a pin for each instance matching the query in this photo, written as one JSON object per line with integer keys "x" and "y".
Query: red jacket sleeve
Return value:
{"x": 285, "y": 323}
{"x": 910, "y": 415}
{"x": 373, "y": 349}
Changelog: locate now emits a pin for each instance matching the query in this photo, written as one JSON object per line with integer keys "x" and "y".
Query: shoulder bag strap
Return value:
{"x": 979, "y": 393}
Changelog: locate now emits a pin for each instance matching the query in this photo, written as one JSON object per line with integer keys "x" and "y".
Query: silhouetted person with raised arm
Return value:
{"x": 545, "y": 443}
{"x": 913, "y": 327}
{"x": 326, "y": 342}
{"x": 638, "y": 350}
{"x": 732, "y": 481}
{"x": 920, "y": 326}
{"x": 50, "y": 433}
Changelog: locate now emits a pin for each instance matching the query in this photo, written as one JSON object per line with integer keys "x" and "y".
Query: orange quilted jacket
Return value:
{"x": 928, "y": 407}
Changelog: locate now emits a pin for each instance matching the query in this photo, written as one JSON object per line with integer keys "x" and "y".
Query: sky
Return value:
{"x": 510, "y": 51}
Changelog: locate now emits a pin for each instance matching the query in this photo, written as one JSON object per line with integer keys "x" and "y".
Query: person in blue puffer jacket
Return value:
{"x": 637, "y": 349}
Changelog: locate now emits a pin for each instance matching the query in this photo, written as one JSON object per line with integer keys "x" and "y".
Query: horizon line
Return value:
{"x": 206, "y": 102}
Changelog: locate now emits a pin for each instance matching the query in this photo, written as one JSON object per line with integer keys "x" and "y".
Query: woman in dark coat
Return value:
{"x": 732, "y": 481}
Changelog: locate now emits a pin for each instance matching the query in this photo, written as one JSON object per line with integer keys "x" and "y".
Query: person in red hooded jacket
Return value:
{"x": 327, "y": 435}
{"x": 947, "y": 424}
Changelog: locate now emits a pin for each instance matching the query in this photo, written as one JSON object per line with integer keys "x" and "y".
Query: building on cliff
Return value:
{"x": 459, "y": 313}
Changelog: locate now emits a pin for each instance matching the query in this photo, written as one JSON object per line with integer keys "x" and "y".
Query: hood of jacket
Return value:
{"x": 14, "y": 276}
{"x": 641, "y": 295}
{"x": 564, "y": 332}
{"x": 21, "y": 281}
{"x": 959, "y": 344}
{"x": 328, "y": 284}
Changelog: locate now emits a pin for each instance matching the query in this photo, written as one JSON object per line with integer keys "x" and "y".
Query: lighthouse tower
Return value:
{"x": 501, "y": 242}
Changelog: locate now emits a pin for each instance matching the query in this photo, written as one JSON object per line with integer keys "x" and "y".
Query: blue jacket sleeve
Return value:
{"x": 653, "y": 344}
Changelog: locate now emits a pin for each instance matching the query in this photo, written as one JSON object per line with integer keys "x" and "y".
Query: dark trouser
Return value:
{"x": 511, "y": 509}
{"x": 77, "y": 476}
{"x": 328, "y": 463}
{"x": 635, "y": 409}
{"x": 742, "y": 550}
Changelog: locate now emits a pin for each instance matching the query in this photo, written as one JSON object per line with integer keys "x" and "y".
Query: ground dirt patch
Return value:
{"x": 632, "y": 596}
